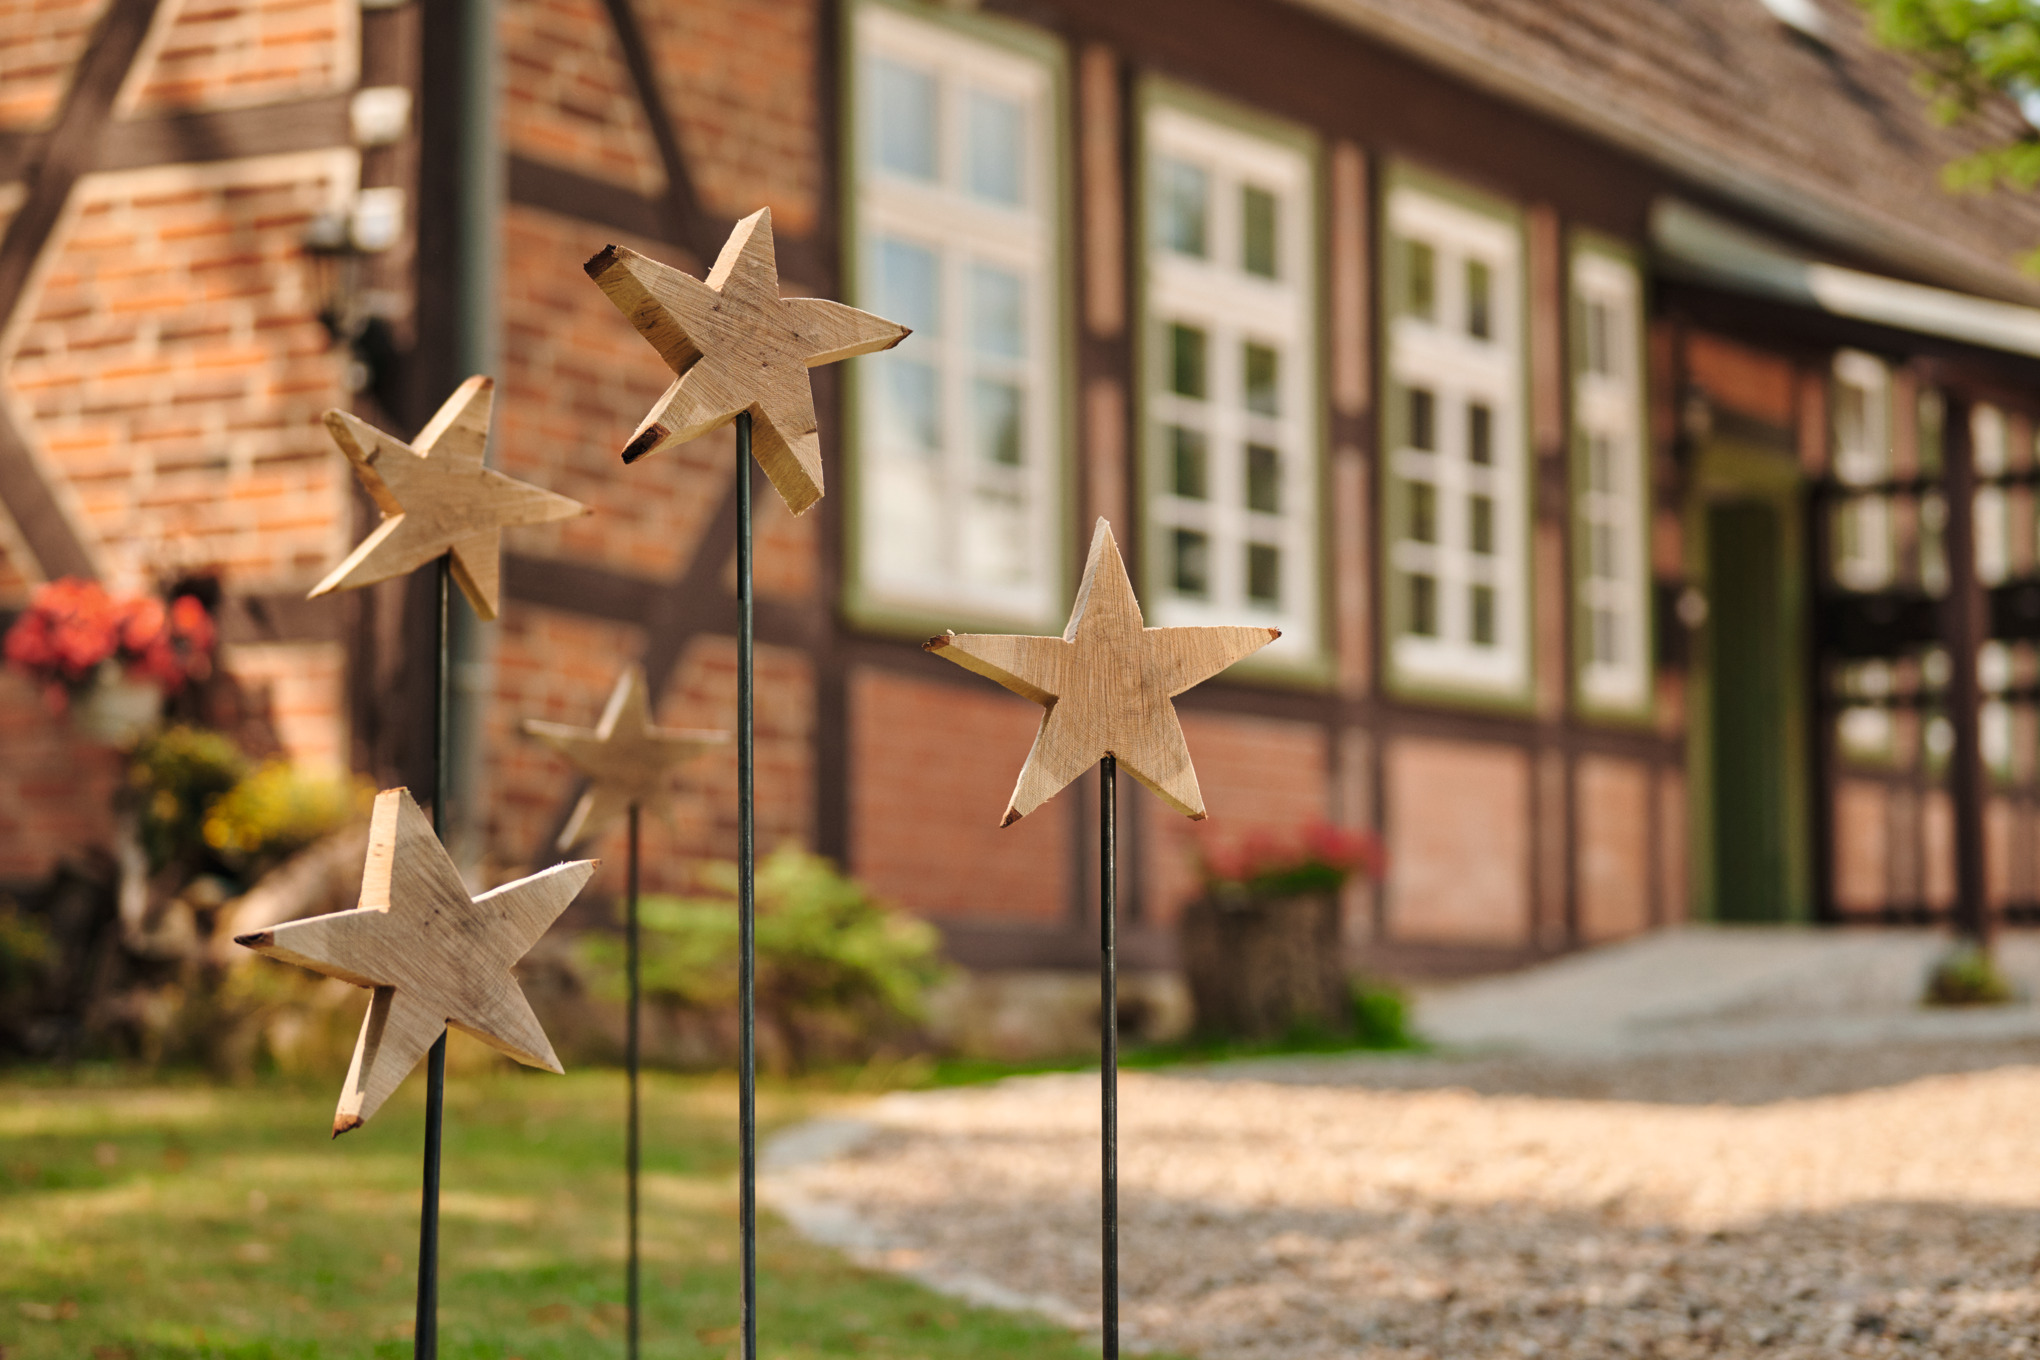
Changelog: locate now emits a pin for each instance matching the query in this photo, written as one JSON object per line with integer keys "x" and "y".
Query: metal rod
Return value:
{"x": 425, "y": 1332}
{"x": 747, "y": 903}
{"x": 1108, "y": 1038}
{"x": 630, "y": 1061}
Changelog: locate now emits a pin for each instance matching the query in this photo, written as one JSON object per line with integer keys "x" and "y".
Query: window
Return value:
{"x": 1454, "y": 533}
{"x": 1232, "y": 398}
{"x": 1990, "y": 440}
{"x": 960, "y": 428}
{"x": 1862, "y": 533}
{"x": 1611, "y": 483}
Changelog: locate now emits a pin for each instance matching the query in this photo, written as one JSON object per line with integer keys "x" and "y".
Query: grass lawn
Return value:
{"x": 165, "y": 1219}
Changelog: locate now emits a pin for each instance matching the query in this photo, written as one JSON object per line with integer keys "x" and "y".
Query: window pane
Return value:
{"x": 1600, "y": 355}
{"x": 1479, "y": 300}
{"x": 998, "y": 147}
{"x": 1602, "y": 560}
{"x": 1188, "y": 462}
{"x": 906, "y": 118}
{"x": 1423, "y": 525}
{"x": 912, "y": 409}
{"x": 1480, "y": 433}
{"x": 1264, "y": 573}
{"x": 1606, "y": 637}
{"x": 1601, "y": 464}
{"x": 1851, "y": 417}
{"x": 1182, "y": 191}
{"x": 907, "y": 284}
{"x": 1422, "y": 414}
{"x": 1257, "y": 231}
{"x": 1482, "y": 602}
{"x": 1420, "y": 275}
{"x": 1187, "y": 361}
{"x": 998, "y": 312}
{"x": 1423, "y": 605}
{"x": 1264, "y": 479}
{"x": 1192, "y": 552}
{"x": 1263, "y": 379}
{"x": 1480, "y": 524}
{"x": 997, "y": 415}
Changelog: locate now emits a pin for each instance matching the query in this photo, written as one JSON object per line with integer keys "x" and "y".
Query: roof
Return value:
{"x": 1831, "y": 138}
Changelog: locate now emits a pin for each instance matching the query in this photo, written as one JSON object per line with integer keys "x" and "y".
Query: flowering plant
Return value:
{"x": 1317, "y": 859}
{"x": 73, "y": 626}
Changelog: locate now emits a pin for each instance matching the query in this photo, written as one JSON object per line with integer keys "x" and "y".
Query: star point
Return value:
{"x": 437, "y": 497}
{"x": 1107, "y": 683}
{"x": 625, "y": 759}
{"x": 735, "y": 345}
{"x": 432, "y": 956}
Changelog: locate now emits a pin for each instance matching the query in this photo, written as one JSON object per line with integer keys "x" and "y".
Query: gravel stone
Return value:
{"x": 1775, "y": 1205}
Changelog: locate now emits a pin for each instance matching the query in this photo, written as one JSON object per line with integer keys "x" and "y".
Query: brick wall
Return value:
{"x": 172, "y": 371}
{"x": 1459, "y": 842}
{"x": 39, "y": 42}
{"x": 212, "y": 53}
{"x": 933, "y": 763}
{"x": 1612, "y": 816}
{"x": 567, "y": 95}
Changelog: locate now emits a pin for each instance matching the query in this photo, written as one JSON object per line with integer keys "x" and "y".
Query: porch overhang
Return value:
{"x": 1693, "y": 244}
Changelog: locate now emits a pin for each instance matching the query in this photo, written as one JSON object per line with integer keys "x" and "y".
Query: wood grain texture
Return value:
{"x": 436, "y": 497}
{"x": 735, "y": 345}
{"x": 432, "y": 955}
{"x": 626, "y": 760}
{"x": 1107, "y": 683}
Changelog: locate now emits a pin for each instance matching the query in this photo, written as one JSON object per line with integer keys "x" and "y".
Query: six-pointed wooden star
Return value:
{"x": 626, "y": 760}
{"x": 436, "y": 497}
{"x": 1107, "y": 683}
{"x": 433, "y": 955}
{"x": 735, "y": 345}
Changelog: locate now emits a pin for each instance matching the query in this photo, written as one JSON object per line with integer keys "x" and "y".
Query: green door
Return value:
{"x": 1749, "y": 657}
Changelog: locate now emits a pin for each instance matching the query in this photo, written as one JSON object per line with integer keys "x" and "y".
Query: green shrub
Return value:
{"x": 839, "y": 972}
{"x": 279, "y": 810}
{"x": 1967, "y": 976}
{"x": 1381, "y": 1016}
{"x": 174, "y": 776}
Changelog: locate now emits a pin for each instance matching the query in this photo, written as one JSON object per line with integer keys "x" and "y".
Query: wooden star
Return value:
{"x": 626, "y": 760}
{"x": 1106, "y": 683}
{"x": 436, "y": 497}
{"x": 735, "y": 345}
{"x": 434, "y": 956}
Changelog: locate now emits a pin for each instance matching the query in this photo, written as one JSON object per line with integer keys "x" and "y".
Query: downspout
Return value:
{"x": 473, "y": 205}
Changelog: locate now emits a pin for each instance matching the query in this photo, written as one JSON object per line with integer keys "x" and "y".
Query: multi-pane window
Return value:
{"x": 1862, "y": 535}
{"x": 1990, "y": 441}
{"x": 959, "y": 428}
{"x": 1232, "y": 391}
{"x": 1457, "y": 463}
{"x": 1610, "y": 500}
{"x": 1862, "y": 456}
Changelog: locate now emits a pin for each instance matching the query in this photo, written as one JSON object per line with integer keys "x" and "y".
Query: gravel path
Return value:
{"x": 1763, "y": 1205}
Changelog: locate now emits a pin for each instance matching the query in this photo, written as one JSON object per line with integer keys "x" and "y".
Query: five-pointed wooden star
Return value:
{"x": 735, "y": 345}
{"x": 436, "y": 497}
{"x": 627, "y": 760}
{"x": 1106, "y": 683}
{"x": 433, "y": 955}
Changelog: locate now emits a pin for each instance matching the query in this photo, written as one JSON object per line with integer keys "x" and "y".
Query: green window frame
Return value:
{"x": 956, "y": 162}
{"x": 1454, "y": 526}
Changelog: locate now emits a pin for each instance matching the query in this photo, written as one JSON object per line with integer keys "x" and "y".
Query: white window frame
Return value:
{"x": 1863, "y": 557}
{"x": 1233, "y": 308}
{"x": 1439, "y": 355}
{"x": 900, "y": 495}
{"x": 1611, "y": 496}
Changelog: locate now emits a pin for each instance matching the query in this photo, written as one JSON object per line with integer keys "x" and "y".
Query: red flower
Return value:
{"x": 72, "y": 627}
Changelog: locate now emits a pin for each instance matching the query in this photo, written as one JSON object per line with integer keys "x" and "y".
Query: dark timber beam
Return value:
{"x": 1965, "y": 620}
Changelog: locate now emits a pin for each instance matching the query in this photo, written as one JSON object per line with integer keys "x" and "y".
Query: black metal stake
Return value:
{"x": 1108, "y": 1038}
{"x": 425, "y": 1333}
{"x": 630, "y": 1061}
{"x": 747, "y": 902}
